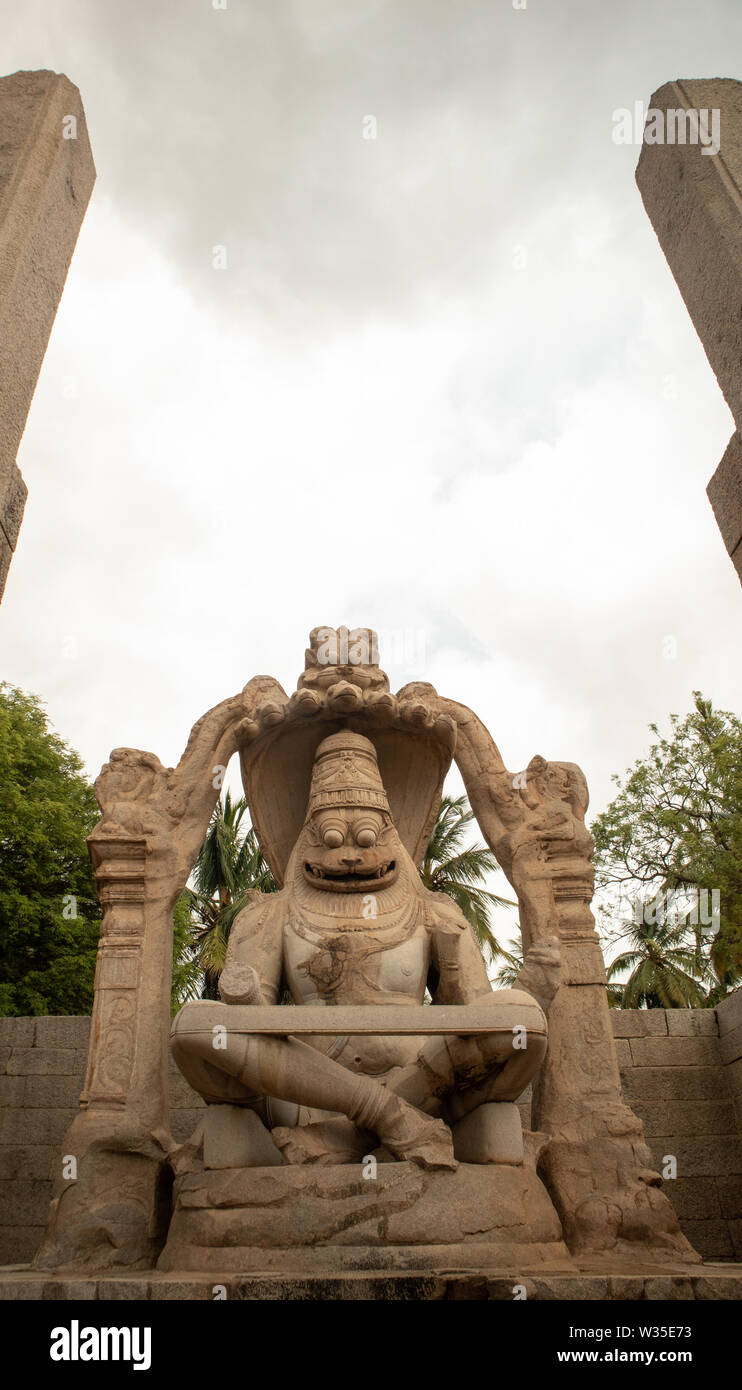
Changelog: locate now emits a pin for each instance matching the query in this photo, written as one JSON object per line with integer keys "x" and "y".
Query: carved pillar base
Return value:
{"x": 109, "y": 1200}
{"x": 116, "y": 1213}
{"x": 597, "y": 1166}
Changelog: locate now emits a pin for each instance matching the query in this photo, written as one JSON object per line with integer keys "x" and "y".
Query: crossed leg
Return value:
{"x": 293, "y": 1071}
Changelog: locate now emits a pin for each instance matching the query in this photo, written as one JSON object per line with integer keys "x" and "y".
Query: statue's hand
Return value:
{"x": 240, "y": 984}
{"x": 539, "y": 974}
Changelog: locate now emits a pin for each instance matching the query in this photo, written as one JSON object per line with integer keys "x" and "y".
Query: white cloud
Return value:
{"x": 383, "y": 411}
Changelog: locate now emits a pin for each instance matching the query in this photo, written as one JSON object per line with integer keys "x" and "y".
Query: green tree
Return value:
{"x": 453, "y": 867}
{"x": 187, "y": 974}
{"x": 664, "y": 968}
{"x": 49, "y": 913}
{"x": 512, "y": 963}
{"x": 675, "y": 828}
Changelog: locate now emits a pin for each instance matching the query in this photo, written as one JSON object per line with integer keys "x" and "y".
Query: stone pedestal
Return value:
{"x": 313, "y": 1220}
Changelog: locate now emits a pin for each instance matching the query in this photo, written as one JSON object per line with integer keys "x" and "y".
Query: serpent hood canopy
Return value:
{"x": 342, "y": 687}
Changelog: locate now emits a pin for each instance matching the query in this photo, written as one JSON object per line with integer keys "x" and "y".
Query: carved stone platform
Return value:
{"x": 314, "y": 1220}
{"x": 611, "y": 1281}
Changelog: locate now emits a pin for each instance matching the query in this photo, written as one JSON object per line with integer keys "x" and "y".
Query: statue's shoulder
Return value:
{"x": 260, "y": 911}
{"x": 442, "y": 914}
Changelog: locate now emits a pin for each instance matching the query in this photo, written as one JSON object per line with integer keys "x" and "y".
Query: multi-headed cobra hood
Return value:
{"x": 400, "y": 747}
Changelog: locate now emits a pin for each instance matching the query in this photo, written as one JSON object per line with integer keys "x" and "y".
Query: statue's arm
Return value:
{"x": 459, "y": 971}
{"x": 253, "y": 968}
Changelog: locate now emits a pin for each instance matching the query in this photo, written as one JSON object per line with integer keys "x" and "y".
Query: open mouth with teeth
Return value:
{"x": 360, "y": 880}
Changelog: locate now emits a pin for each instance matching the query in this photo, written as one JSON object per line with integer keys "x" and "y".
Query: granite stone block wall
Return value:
{"x": 681, "y": 1072}
{"x": 42, "y": 1069}
{"x": 678, "y": 1075}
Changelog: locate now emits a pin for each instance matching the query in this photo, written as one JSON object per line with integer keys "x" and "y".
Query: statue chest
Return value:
{"x": 352, "y": 963}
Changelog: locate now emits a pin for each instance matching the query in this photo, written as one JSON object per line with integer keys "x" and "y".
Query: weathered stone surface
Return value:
{"x": 703, "y": 1155}
{"x": 45, "y": 183}
{"x": 729, "y": 1012}
{"x": 19, "y": 1245}
{"x": 47, "y": 1092}
{"x": 730, "y": 1196}
{"x": 59, "y": 1032}
{"x": 724, "y": 492}
{"x": 235, "y": 1137}
{"x": 489, "y": 1134}
{"x": 692, "y": 1023}
{"x": 668, "y": 1289}
{"x": 638, "y": 1023}
{"x": 712, "y": 1239}
{"x": 735, "y": 1231}
{"x": 23, "y": 1202}
{"x": 730, "y": 1045}
{"x": 13, "y": 504}
{"x": 120, "y": 1287}
{"x": 11, "y": 1090}
{"x": 42, "y": 1061}
{"x": 524, "y": 1104}
{"x": 183, "y": 1123}
{"x": 33, "y": 1126}
{"x": 28, "y": 1161}
{"x": 692, "y": 197}
{"x": 14, "y": 1290}
{"x": 733, "y": 1074}
{"x": 676, "y": 1083}
{"x": 77, "y": 1289}
{"x": 717, "y": 1282}
{"x": 684, "y": 1052}
{"x": 695, "y": 1199}
{"x": 623, "y": 1053}
{"x": 6, "y": 555}
{"x": 245, "y": 1218}
{"x": 180, "y": 1095}
{"x": 17, "y": 1032}
{"x": 711, "y": 1118}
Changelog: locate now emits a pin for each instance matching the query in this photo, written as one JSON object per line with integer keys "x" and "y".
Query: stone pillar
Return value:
{"x": 46, "y": 178}
{"x": 110, "y": 1202}
{"x": 110, "y": 1208}
{"x": 693, "y": 197}
{"x": 597, "y": 1165}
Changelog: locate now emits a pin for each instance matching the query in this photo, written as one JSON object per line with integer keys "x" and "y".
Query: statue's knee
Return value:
{"x": 493, "y": 1133}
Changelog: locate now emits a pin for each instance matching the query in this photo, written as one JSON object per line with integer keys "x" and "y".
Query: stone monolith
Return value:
{"x": 46, "y": 178}
{"x": 690, "y": 179}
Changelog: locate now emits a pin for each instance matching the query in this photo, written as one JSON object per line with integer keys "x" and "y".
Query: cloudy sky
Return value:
{"x": 445, "y": 386}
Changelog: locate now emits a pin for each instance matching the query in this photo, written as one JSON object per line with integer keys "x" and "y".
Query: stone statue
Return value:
{"x": 354, "y": 925}
{"x": 359, "y": 1126}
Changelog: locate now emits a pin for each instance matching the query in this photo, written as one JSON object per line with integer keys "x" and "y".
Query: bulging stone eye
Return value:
{"x": 365, "y": 837}
{"x": 332, "y": 837}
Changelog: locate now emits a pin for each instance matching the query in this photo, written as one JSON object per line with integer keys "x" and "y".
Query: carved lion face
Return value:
{"x": 351, "y": 849}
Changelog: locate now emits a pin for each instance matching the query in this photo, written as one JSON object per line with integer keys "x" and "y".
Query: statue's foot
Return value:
{"x": 325, "y": 1142}
{"x": 409, "y": 1134}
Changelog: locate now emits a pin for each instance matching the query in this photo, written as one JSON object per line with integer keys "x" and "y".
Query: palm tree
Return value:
{"x": 507, "y": 975}
{"x": 230, "y": 865}
{"x": 187, "y": 976}
{"x": 453, "y": 867}
{"x": 665, "y": 969}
